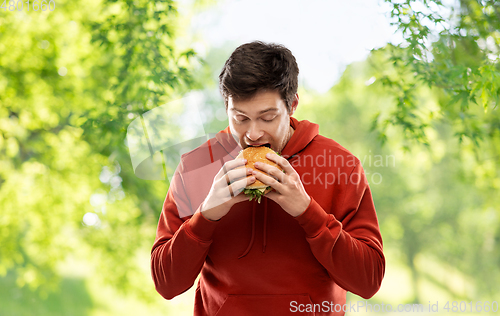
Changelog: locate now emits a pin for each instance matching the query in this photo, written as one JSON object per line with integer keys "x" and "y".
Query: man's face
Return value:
{"x": 261, "y": 120}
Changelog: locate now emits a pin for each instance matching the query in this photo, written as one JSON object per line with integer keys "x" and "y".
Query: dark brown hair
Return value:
{"x": 257, "y": 66}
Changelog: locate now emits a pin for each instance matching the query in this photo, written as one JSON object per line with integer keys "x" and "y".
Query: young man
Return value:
{"x": 311, "y": 239}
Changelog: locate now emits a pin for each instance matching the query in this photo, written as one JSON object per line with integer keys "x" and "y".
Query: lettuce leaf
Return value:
{"x": 255, "y": 193}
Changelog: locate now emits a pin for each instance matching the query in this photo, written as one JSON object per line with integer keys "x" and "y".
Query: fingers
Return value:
{"x": 234, "y": 189}
{"x": 235, "y": 180}
{"x": 229, "y": 182}
{"x": 238, "y": 186}
{"x": 236, "y": 174}
{"x": 230, "y": 165}
{"x": 272, "y": 171}
{"x": 282, "y": 162}
{"x": 268, "y": 180}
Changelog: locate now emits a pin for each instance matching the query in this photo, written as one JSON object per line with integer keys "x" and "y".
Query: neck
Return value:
{"x": 290, "y": 133}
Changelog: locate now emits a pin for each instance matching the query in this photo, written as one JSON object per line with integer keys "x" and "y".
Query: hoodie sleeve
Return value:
{"x": 181, "y": 244}
{"x": 350, "y": 248}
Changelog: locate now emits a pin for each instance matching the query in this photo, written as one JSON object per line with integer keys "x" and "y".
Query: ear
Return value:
{"x": 295, "y": 103}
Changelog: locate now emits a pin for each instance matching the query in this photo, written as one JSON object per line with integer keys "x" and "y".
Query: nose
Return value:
{"x": 254, "y": 132}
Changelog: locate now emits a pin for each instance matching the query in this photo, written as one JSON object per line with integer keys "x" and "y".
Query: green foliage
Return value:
{"x": 137, "y": 40}
{"x": 435, "y": 203}
{"x": 71, "y": 80}
{"x": 71, "y": 298}
{"x": 454, "y": 51}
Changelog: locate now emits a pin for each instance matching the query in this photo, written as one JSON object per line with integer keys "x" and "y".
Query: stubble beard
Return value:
{"x": 286, "y": 139}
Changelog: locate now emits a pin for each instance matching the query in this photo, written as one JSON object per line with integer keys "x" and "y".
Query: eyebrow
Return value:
{"x": 261, "y": 112}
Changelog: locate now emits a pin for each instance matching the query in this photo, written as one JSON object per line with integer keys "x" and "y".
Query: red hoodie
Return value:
{"x": 259, "y": 260}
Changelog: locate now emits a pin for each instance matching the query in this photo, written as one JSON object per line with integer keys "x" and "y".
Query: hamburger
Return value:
{"x": 257, "y": 154}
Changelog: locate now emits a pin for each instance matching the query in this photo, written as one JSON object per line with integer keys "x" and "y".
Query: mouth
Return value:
{"x": 261, "y": 145}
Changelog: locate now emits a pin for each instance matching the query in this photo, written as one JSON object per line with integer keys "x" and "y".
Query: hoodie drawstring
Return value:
{"x": 253, "y": 232}
{"x": 264, "y": 239}
{"x": 252, "y": 238}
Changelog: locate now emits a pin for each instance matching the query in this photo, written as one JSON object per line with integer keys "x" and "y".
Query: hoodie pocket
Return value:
{"x": 276, "y": 305}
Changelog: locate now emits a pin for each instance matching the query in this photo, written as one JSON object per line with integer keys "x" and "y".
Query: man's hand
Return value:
{"x": 226, "y": 188}
{"x": 289, "y": 191}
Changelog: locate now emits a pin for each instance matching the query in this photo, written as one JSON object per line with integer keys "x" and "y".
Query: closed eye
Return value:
{"x": 270, "y": 120}
{"x": 241, "y": 118}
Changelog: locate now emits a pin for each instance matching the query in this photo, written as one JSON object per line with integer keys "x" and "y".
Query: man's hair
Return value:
{"x": 258, "y": 66}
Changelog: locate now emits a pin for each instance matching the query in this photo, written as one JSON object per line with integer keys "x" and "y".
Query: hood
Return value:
{"x": 304, "y": 133}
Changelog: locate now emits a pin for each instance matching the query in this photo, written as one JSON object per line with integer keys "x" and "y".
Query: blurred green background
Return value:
{"x": 77, "y": 225}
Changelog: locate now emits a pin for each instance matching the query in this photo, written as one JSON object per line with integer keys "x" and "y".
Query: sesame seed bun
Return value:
{"x": 257, "y": 154}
